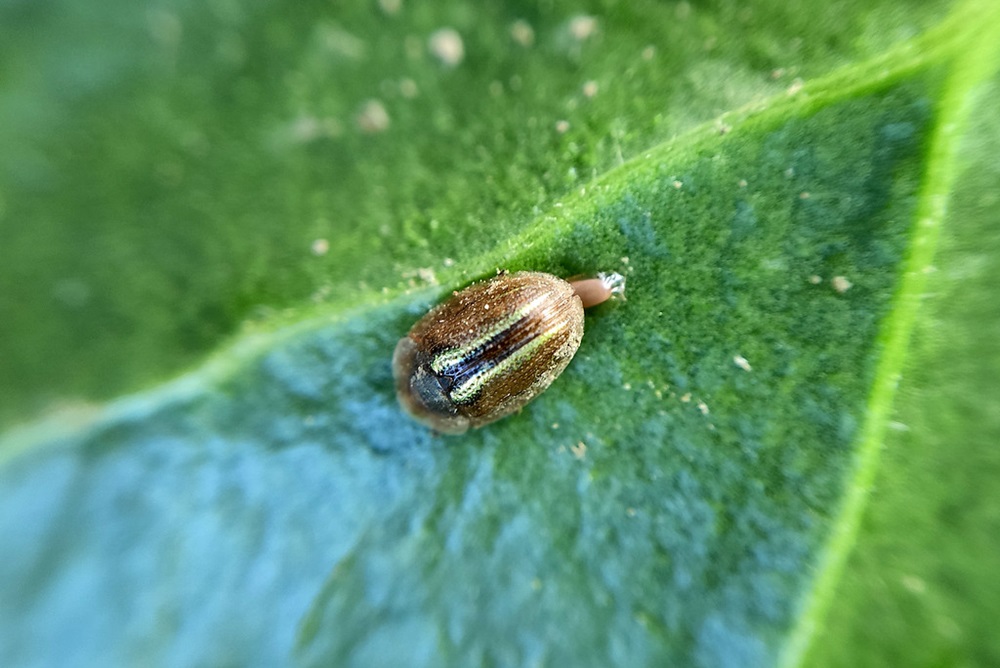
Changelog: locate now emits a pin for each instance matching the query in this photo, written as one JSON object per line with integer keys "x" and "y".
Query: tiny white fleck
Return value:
{"x": 678, "y": 184}
{"x": 590, "y": 89}
{"x": 703, "y": 407}
{"x": 582, "y": 27}
{"x": 579, "y": 450}
{"x": 841, "y": 284}
{"x": 320, "y": 247}
{"x": 447, "y": 46}
{"x": 522, "y": 33}
{"x": 373, "y": 118}
{"x": 390, "y": 7}
{"x": 562, "y": 126}
{"x": 742, "y": 362}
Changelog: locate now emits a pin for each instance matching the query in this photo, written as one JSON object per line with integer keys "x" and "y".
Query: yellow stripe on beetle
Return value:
{"x": 493, "y": 347}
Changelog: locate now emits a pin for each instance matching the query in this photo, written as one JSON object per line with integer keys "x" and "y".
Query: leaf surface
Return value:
{"x": 686, "y": 493}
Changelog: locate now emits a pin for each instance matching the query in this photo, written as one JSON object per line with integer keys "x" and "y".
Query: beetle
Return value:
{"x": 493, "y": 347}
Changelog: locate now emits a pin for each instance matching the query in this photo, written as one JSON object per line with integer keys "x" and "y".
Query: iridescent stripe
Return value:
{"x": 469, "y": 389}
{"x": 445, "y": 363}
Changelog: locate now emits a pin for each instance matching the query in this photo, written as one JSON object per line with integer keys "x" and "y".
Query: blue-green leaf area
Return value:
{"x": 662, "y": 503}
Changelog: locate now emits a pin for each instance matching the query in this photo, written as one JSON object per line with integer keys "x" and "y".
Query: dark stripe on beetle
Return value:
{"x": 446, "y": 359}
{"x": 490, "y": 352}
{"x": 471, "y": 387}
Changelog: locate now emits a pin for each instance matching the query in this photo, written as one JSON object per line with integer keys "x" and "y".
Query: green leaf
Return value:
{"x": 923, "y": 575}
{"x": 688, "y": 492}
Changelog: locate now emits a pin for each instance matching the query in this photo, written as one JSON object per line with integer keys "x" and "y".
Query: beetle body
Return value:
{"x": 493, "y": 347}
{"x": 488, "y": 350}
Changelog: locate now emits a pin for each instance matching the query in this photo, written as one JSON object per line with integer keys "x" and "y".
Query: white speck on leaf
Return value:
{"x": 320, "y": 247}
{"x": 841, "y": 284}
{"x": 446, "y": 45}
{"x": 373, "y": 117}
{"x": 522, "y": 33}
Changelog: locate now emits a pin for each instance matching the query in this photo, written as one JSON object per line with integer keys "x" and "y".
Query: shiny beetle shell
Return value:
{"x": 488, "y": 350}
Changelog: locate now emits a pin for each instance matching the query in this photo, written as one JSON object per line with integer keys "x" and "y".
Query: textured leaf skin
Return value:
{"x": 292, "y": 507}
{"x": 685, "y": 494}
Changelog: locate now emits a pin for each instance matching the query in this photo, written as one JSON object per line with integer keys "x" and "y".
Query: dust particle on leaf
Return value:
{"x": 446, "y": 45}
{"x": 582, "y": 27}
{"x": 320, "y": 247}
{"x": 841, "y": 284}
{"x": 373, "y": 118}
{"x": 522, "y": 33}
{"x": 390, "y": 7}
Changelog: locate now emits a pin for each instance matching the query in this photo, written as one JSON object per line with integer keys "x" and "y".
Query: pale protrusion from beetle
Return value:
{"x": 597, "y": 290}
